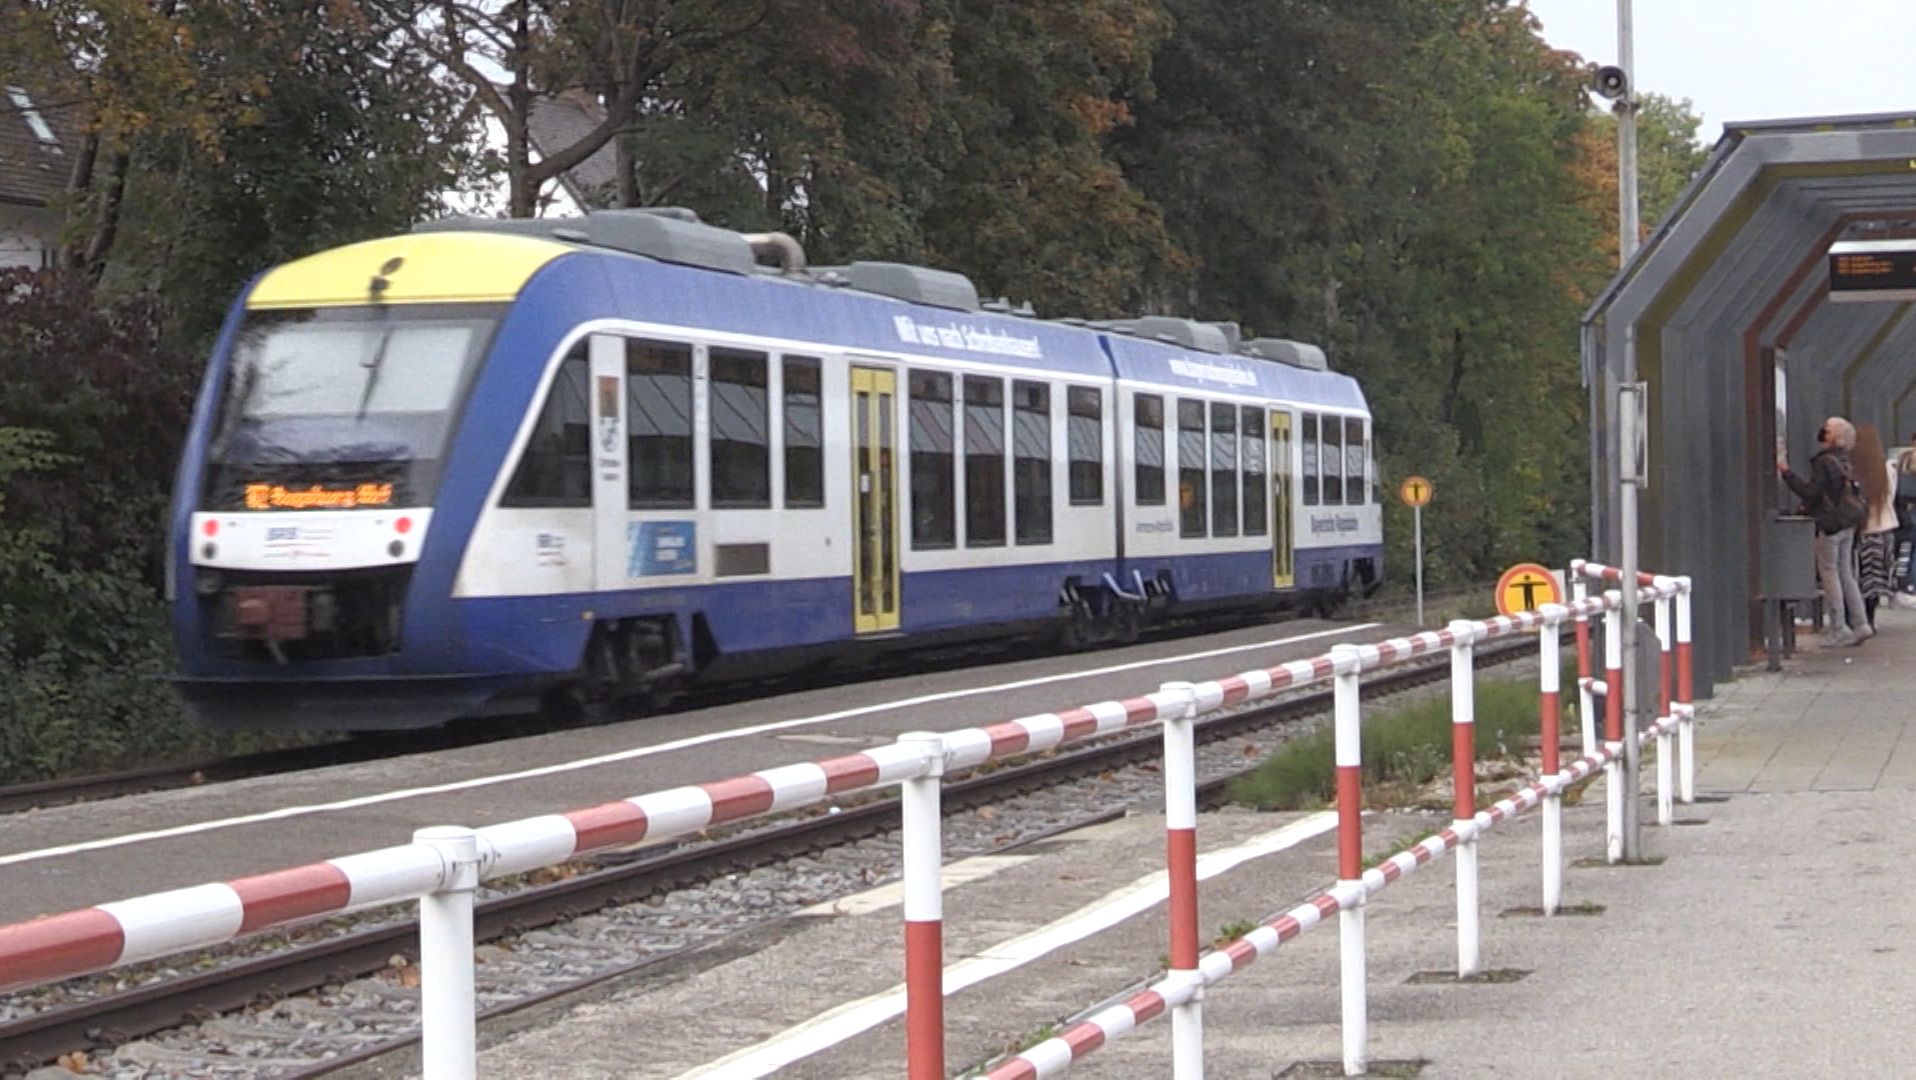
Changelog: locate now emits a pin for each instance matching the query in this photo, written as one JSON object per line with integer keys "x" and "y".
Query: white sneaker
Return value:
{"x": 1836, "y": 639}
{"x": 1862, "y": 633}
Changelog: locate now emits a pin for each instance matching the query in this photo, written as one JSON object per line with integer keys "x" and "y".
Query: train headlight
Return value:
{"x": 209, "y": 552}
{"x": 396, "y": 548}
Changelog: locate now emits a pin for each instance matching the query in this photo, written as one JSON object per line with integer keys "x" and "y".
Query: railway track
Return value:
{"x": 117, "y": 1017}
{"x": 346, "y": 751}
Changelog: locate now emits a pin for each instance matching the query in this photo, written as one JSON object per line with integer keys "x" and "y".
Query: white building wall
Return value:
{"x": 26, "y": 235}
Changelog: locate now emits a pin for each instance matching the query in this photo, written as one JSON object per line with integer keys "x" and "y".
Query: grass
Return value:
{"x": 1230, "y": 932}
{"x": 1404, "y": 748}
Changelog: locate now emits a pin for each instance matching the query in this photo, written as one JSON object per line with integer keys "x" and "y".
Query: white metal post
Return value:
{"x": 922, "y": 825}
{"x": 447, "y": 1006}
{"x": 1550, "y": 664}
{"x": 1614, "y": 776}
{"x": 1180, "y": 847}
{"x": 1350, "y": 849}
{"x": 1463, "y": 738}
{"x": 1586, "y": 701}
{"x": 1686, "y": 728}
{"x": 1417, "y": 530}
{"x": 1665, "y": 766}
{"x": 1629, "y": 396}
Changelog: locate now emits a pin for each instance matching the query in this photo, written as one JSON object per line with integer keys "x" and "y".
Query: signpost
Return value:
{"x": 1527, "y": 587}
{"x": 1415, "y": 491}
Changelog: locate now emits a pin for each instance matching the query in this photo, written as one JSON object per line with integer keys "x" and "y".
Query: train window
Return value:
{"x": 1084, "y": 436}
{"x": 1355, "y": 489}
{"x": 1332, "y": 460}
{"x": 984, "y": 462}
{"x": 1256, "y": 492}
{"x": 804, "y": 435}
{"x": 1307, "y": 443}
{"x": 934, "y": 511}
{"x": 740, "y": 430}
{"x": 1148, "y": 418}
{"x": 1191, "y": 479}
{"x": 556, "y": 467}
{"x": 658, "y": 395}
{"x": 1031, "y": 461}
{"x": 1223, "y": 469}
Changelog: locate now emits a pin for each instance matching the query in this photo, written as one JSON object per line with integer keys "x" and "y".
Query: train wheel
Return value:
{"x": 593, "y": 696}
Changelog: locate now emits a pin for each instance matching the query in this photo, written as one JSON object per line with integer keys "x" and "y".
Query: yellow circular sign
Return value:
{"x": 1527, "y": 587}
{"x": 1415, "y": 491}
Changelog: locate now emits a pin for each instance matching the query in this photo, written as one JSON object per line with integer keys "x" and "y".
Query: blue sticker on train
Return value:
{"x": 658, "y": 548}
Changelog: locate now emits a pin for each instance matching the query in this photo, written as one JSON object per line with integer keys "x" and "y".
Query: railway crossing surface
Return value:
{"x": 1770, "y": 940}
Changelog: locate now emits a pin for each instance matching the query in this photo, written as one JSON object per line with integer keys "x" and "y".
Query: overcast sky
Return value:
{"x": 1755, "y": 59}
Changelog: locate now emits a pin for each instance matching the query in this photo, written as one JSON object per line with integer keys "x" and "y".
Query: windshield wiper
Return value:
{"x": 373, "y": 365}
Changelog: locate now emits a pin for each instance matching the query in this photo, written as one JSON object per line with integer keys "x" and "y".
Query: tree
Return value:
{"x": 508, "y": 56}
{"x": 1033, "y": 205}
{"x": 1668, "y": 158}
{"x": 1397, "y": 180}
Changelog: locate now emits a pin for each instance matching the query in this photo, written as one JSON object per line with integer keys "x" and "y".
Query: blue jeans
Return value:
{"x": 1836, "y": 571}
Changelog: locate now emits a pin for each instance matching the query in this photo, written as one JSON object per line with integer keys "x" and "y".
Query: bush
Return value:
{"x": 96, "y": 411}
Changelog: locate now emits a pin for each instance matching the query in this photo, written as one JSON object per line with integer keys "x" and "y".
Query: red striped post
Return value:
{"x": 1666, "y": 771}
{"x": 1549, "y": 721}
{"x": 1348, "y": 662}
{"x": 924, "y": 905}
{"x": 1613, "y": 723}
{"x": 1463, "y": 785}
{"x": 1686, "y": 729}
{"x": 1180, "y": 862}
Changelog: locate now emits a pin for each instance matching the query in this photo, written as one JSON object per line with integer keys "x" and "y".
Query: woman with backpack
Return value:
{"x": 1836, "y": 502}
{"x": 1876, "y": 548}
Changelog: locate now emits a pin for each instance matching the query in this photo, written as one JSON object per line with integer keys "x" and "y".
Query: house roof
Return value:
{"x": 39, "y": 135}
{"x": 557, "y": 123}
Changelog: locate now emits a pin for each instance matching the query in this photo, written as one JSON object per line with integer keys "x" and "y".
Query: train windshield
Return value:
{"x": 343, "y": 400}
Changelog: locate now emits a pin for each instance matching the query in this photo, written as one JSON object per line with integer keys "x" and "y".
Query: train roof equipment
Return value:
{"x": 1295, "y": 353}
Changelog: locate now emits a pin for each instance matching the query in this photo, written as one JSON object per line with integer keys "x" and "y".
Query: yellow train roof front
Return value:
{"x": 418, "y": 268}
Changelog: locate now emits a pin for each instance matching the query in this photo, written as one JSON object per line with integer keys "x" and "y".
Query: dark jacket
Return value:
{"x": 1829, "y": 471}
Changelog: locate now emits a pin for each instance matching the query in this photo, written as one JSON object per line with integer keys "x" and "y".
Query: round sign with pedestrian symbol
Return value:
{"x": 1527, "y": 587}
{"x": 1415, "y": 491}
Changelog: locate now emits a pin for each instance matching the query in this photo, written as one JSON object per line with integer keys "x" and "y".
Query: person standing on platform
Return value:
{"x": 1831, "y": 499}
{"x": 1877, "y": 547}
{"x": 1906, "y": 514}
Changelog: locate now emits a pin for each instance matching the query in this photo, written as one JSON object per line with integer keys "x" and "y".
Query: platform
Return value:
{"x": 1772, "y": 940}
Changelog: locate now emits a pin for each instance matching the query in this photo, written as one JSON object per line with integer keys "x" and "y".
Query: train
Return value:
{"x": 492, "y": 464}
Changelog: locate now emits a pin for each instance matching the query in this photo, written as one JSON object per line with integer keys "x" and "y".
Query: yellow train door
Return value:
{"x": 874, "y": 500}
{"x": 1283, "y": 517}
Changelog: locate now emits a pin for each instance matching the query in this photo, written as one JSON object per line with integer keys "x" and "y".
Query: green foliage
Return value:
{"x": 83, "y": 482}
{"x": 1403, "y": 747}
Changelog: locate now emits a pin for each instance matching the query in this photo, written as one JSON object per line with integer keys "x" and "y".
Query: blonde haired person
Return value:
{"x": 1871, "y": 465}
{"x": 1822, "y": 492}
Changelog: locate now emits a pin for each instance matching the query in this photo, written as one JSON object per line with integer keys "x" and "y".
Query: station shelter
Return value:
{"x": 1727, "y": 317}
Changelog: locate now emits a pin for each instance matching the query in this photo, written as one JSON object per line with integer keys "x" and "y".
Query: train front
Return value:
{"x": 309, "y": 568}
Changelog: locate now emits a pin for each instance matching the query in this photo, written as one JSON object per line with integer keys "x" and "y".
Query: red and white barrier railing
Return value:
{"x": 1347, "y": 897}
{"x": 442, "y": 867}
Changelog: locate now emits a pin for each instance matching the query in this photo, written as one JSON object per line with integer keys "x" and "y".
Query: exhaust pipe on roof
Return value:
{"x": 791, "y": 254}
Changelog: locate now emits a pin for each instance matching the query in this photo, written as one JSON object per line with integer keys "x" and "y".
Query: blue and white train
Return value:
{"x": 454, "y": 472}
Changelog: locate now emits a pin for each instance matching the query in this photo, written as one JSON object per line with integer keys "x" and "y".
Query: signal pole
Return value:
{"x": 1631, "y": 411}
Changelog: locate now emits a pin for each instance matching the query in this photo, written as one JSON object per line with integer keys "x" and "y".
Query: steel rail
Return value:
{"x": 123, "y": 1016}
{"x": 110, "y": 785}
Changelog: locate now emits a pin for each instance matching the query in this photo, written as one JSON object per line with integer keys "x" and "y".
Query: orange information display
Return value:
{"x": 1527, "y": 587}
